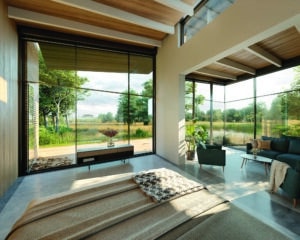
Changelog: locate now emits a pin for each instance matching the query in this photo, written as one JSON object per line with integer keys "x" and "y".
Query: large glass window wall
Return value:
{"x": 278, "y": 100}
{"x": 204, "y": 111}
{"x": 74, "y": 94}
{"x": 264, "y": 106}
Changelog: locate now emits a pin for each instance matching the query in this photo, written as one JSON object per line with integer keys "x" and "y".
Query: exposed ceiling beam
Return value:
{"x": 214, "y": 73}
{"x": 235, "y": 65}
{"x": 178, "y": 5}
{"x": 103, "y": 9}
{"x": 34, "y": 17}
{"x": 199, "y": 76}
{"x": 262, "y": 53}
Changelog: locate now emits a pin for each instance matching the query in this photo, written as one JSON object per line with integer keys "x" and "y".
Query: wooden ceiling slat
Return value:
{"x": 285, "y": 44}
{"x": 83, "y": 16}
{"x": 148, "y": 9}
{"x": 248, "y": 59}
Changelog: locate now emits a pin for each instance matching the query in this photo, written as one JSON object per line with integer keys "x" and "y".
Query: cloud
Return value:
{"x": 101, "y": 102}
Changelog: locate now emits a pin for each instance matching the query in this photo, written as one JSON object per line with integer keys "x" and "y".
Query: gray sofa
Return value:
{"x": 285, "y": 149}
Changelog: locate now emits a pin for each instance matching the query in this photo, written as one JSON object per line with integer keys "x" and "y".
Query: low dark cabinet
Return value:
{"x": 90, "y": 156}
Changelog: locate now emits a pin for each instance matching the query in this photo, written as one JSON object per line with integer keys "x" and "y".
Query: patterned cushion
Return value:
{"x": 163, "y": 184}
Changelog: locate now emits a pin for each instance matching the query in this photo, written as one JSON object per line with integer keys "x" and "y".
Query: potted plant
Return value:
{"x": 194, "y": 135}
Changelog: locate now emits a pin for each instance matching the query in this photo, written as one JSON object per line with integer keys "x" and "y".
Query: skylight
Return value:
{"x": 205, "y": 12}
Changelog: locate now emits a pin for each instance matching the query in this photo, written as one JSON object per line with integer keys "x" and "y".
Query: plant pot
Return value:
{"x": 190, "y": 155}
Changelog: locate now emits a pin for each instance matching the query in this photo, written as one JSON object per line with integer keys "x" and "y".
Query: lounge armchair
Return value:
{"x": 211, "y": 155}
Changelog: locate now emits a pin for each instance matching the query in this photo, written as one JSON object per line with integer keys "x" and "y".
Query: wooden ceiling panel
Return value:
{"x": 71, "y": 13}
{"x": 148, "y": 9}
{"x": 286, "y": 44}
{"x": 248, "y": 59}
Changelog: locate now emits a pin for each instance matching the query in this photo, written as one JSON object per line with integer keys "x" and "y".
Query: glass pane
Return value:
{"x": 106, "y": 71}
{"x": 203, "y": 89}
{"x": 276, "y": 82}
{"x": 239, "y": 125}
{"x": 140, "y": 109}
{"x": 271, "y": 118}
{"x": 141, "y": 128}
{"x": 51, "y": 104}
{"x": 218, "y": 123}
{"x": 112, "y": 82}
{"x": 203, "y": 16}
{"x": 279, "y": 115}
{"x": 218, "y": 93}
{"x": 141, "y": 75}
{"x": 57, "y": 64}
{"x": 240, "y": 90}
{"x": 97, "y": 111}
{"x": 189, "y": 93}
{"x": 202, "y": 111}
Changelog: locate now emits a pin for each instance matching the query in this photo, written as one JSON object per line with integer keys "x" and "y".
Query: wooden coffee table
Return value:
{"x": 264, "y": 160}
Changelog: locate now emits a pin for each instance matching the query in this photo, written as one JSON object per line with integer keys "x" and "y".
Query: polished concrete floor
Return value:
{"x": 245, "y": 187}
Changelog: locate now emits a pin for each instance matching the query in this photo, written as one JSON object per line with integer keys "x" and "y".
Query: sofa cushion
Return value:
{"x": 213, "y": 146}
{"x": 268, "y": 153}
{"x": 291, "y": 159}
{"x": 294, "y": 146}
{"x": 264, "y": 144}
{"x": 280, "y": 145}
{"x": 266, "y": 138}
{"x": 290, "y": 137}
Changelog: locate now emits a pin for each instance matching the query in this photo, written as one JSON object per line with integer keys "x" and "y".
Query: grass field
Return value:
{"x": 89, "y": 132}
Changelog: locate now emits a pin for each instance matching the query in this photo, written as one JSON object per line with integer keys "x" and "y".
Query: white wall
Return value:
{"x": 241, "y": 25}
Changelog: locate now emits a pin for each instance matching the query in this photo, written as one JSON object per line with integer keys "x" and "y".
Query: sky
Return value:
{"x": 267, "y": 84}
{"x": 102, "y": 102}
